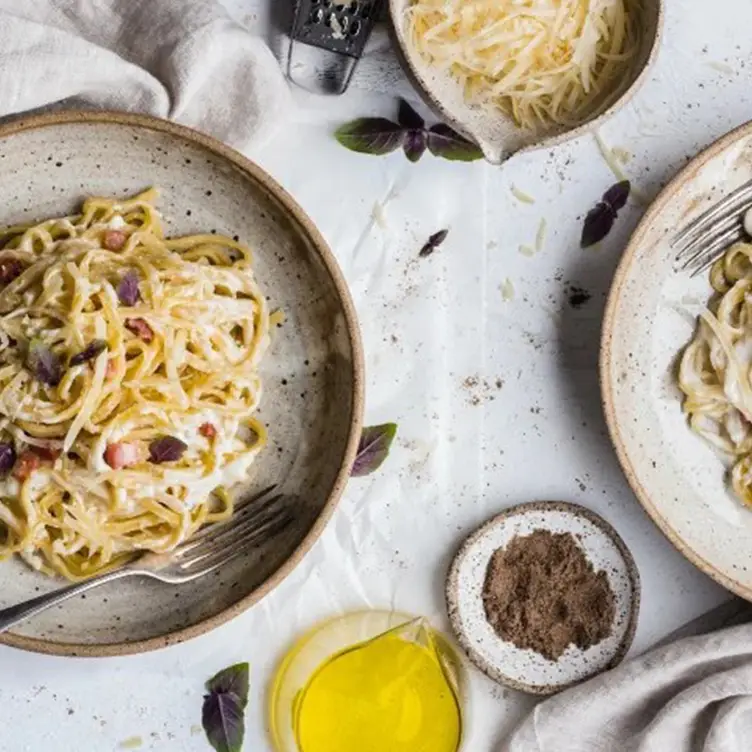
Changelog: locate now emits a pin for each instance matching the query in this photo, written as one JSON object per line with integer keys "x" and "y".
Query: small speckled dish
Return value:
{"x": 496, "y": 133}
{"x": 525, "y": 670}
{"x": 312, "y": 375}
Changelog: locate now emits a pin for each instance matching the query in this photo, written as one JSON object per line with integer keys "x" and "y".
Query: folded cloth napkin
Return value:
{"x": 693, "y": 695}
{"x": 180, "y": 59}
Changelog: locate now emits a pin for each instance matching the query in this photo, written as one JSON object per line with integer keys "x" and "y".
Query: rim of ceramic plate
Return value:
{"x": 321, "y": 248}
{"x": 651, "y": 217}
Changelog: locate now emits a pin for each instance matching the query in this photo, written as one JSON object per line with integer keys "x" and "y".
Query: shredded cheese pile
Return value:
{"x": 540, "y": 61}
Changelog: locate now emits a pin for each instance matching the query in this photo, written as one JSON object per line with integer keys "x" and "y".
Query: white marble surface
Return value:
{"x": 497, "y": 401}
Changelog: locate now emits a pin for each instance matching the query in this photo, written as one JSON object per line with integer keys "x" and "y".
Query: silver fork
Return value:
{"x": 704, "y": 240}
{"x": 259, "y": 518}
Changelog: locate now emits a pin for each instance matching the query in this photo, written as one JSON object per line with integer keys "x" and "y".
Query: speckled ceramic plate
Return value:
{"x": 650, "y": 317}
{"x": 313, "y": 375}
{"x": 526, "y": 670}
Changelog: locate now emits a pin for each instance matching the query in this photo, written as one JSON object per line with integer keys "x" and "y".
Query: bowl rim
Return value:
{"x": 321, "y": 248}
{"x": 679, "y": 181}
{"x": 544, "y": 142}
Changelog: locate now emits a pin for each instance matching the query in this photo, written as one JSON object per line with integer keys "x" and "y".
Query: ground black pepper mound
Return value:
{"x": 541, "y": 593}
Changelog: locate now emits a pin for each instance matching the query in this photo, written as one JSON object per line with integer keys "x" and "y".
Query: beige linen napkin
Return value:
{"x": 692, "y": 695}
{"x": 181, "y": 59}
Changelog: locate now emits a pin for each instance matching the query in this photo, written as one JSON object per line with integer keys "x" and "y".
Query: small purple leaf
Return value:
{"x": 409, "y": 118}
{"x": 433, "y": 243}
{"x": 10, "y": 268}
{"x": 371, "y": 135}
{"x": 232, "y": 679}
{"x": 616, "y": 196}
{"x": 375, "y": 442}
{"x": 91, "y": 351}
{"x": 43, "y": 363}
{"x": 127, "y": 290}
{"x": 223, "y": 722}
{"x": 598, "y": 223}
{"x": 222, "y": 713}
{"x": 166, "y": 449}
{"x": 7, "y": 458}
{"x": 415, "y": 144}
{"x": 444, "y": 142}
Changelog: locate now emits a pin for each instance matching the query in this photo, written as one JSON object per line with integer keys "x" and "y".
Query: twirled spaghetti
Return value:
{"x": 128, "y": 383}
{"x": 716, "y": 366}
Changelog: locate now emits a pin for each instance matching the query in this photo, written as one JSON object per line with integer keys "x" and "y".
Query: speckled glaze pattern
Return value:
{"x": 526, "y": 670}
{"x": 313, "y": 374}
{"x": 496, "y": 133}
{"x": 650, "y": 317}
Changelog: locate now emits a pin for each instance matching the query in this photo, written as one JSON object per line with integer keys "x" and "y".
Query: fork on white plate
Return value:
{"x": 259, "y": 519}
{"x": 705, "y": 239}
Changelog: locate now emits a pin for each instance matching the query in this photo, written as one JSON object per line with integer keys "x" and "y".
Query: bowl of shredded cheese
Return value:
{"x": 521, "y": 74}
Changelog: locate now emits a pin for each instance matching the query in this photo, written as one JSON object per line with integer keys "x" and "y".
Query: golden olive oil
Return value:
{"x": 389, "y": 694}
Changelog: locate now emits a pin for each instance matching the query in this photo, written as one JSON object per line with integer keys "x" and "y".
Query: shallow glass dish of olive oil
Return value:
{"x": 369, "y": 681}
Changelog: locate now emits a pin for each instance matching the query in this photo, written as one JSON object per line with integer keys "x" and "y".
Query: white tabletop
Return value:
{"x": 497, "y": 401}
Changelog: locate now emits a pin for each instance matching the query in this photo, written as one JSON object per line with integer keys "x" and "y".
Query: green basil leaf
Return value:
{"x": 445, "y": 142}
{"x": 371, "y": 136}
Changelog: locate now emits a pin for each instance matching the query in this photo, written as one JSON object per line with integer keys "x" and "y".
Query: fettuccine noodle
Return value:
{"x": 128, "y": 383}
{"x": 715, "y": 368}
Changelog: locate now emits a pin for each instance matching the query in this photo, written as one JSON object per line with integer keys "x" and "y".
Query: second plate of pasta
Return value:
{"x": 675, "y": 373}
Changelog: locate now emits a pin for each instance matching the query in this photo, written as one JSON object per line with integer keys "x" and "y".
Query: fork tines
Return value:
{"x": 700, "y": 243}
{"x": 259, "y": 519}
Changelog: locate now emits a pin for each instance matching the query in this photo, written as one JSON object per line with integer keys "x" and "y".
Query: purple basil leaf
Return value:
{"x": 127, "y": 290}
{"x": 91, "y": 351}
{"x": 616, "y": 196}
{"x": 7, "y": 458}
{"x": 433, "y": 243}
{"x": 409, "y": 118}
{"x": 233, "y": 679}
{"x": 447, "y": 143}
{"x": 166, "y": 449}
{"x": 222, "y": 714}
{"x": 371, "y": 135}
{"x": 598, "y": 223}
{"x": 373, "y": 449}
{"x": 223, "y": 722}
{"x": 10, "y": 268}
{"x": 43, "y": 363}
{"x": 415, "y": 144}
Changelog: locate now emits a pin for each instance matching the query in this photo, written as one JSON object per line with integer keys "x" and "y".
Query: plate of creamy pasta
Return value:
{"x": 676, "y": 362}
{"x": 174, "y": 336}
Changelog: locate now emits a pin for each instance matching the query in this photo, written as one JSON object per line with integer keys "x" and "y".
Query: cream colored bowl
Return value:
{"x": 650, "y": 317}
{"x": 496, "y": 133}
{"x": 313, "y": 374}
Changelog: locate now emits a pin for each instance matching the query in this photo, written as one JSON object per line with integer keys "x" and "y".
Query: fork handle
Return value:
{"x": 11, "y": 616}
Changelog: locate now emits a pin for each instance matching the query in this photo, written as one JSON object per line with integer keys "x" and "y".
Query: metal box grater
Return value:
{"x": 337, "y": 32}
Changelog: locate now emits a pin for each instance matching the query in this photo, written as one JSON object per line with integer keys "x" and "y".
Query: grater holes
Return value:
{"x": 317, "y": 16}
{"x": 354, "y": 29}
